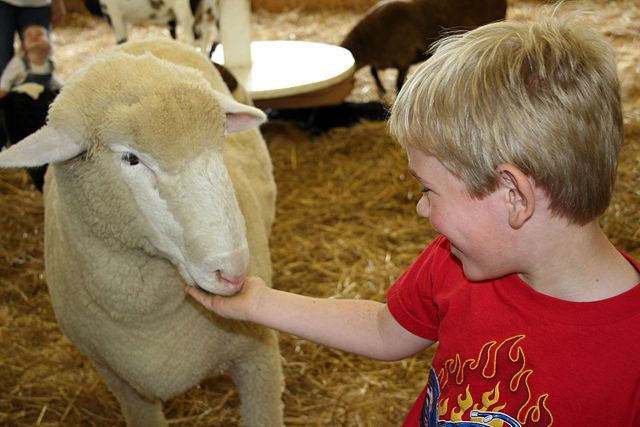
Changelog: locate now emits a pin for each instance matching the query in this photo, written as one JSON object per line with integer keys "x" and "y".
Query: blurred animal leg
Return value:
{"x": 116, "y": 18}
{"x": 201, "y": 35}
{"x": 185, "y": 17}
{"x": 138, "y": 411}
{"x": 374, "y": 73}
{"x": 402, "y": 74}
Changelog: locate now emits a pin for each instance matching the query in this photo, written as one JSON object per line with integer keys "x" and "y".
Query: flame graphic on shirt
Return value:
{"x": 474, "y": 383}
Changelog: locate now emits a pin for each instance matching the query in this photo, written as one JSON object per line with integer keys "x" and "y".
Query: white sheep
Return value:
{"x": 195, "y": 16}
{"x": 157, "y": 178}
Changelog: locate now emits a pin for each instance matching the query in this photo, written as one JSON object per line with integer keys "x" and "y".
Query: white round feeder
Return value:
{"x": 281, "y": 74}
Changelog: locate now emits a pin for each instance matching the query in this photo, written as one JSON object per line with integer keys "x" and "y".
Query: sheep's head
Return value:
{"x": 156, "y": 132}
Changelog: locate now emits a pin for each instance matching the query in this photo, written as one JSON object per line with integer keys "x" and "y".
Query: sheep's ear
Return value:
{"x": 240, "y": 116}
{"x": 47, "y": 145}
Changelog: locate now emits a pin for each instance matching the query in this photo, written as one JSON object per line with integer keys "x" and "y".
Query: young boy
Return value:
{"x": 34, "y": 66}
{"x": 514, "y": 130}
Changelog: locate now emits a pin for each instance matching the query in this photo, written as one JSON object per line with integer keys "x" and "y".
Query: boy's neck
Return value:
{"x": 37, "y": 58}
{"x": 579, "y": 263}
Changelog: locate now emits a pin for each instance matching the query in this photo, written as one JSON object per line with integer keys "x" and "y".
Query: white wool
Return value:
{"x": 145, "y": 194}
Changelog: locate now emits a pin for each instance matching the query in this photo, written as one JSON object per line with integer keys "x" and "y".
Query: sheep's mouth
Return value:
{"x": 223, "y": 287}
{"x": 203, "y": 289}
{"x": 200, "y": 288}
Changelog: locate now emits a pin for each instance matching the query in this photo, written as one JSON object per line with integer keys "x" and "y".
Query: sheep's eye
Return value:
{"x": 130, "y": 158}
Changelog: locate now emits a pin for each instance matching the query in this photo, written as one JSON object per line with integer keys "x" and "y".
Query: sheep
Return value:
{"x": 25, "y": 111}
{"x": 398, "y": 33}
{"x": 157, "y": 178}
{"x": 195, "y": 16}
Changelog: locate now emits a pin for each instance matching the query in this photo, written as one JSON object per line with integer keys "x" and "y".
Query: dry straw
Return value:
{"x": 346, "y": 228}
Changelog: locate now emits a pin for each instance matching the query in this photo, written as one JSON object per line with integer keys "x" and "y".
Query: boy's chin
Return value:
{"x": 471, "y": 273}
{"x": 474, "y": 274}
{"x": 40, "y": 50}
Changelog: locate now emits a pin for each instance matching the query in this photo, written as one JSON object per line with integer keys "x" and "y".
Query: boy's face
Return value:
{"x": 475, "y": 227}
{"x": 35, "y": 37}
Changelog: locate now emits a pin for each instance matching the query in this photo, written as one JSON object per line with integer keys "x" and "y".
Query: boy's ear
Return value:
{"x": 519, "y": 194}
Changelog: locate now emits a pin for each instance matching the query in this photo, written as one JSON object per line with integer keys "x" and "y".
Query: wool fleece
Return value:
{"x": 158, "y": 178}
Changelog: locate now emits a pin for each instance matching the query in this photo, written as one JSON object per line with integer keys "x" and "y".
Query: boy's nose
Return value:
{"x": 423, "y": 207}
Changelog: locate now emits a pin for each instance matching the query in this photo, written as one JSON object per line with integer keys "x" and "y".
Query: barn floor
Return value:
{"x": 346, "y": 228}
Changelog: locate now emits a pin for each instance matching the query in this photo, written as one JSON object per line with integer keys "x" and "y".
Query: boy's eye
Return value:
{"x": 425, "y": 190}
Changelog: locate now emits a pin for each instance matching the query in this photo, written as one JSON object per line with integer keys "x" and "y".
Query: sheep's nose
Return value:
{"x": 234, "y": 282}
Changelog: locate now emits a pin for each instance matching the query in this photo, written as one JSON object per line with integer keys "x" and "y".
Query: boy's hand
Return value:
{"x": 58, "y": 11}
{"x": 239, "y": 306}
{"x": 356, "y": 326}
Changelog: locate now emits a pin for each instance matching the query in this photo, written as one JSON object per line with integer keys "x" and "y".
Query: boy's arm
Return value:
{"x": 10, "y": 73}
{"x": 362, "y": 327}
{"x": 58, "y": 11}
{"x": 56, "y": 83}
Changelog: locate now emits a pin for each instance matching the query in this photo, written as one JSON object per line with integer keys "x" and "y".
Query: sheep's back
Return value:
{"x": 377, "y": 41}
{"x": 399, "y": 33}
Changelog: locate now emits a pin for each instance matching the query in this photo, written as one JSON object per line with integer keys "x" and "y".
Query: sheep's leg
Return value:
{"x": 259, "y": 381}
{"x": 172, "y": 29}
{"x": 116, "y": 18}
{"x": 137, "y": 411}
{"x": 216, "y": 27}
{"x": 402, "y": 74}
{"x": 374, "y": 73}
{"x": 201, "y": 34}
{"x": 184, "y": 16}
{"x": 207, "y": 15}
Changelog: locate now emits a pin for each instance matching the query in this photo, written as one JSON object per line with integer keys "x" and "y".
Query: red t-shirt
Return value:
{"x": 510, "y": 356}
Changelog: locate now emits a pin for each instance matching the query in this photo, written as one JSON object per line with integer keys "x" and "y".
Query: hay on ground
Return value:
{"x": 345, "y": 228}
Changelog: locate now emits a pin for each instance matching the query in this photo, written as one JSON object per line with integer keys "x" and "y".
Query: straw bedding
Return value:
{"x": 345, "y": 228}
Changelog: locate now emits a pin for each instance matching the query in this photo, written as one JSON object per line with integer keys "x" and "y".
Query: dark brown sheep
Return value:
{"x": 398, "y": 33}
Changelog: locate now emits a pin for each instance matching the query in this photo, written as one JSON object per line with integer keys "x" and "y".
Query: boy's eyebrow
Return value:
{"x": 417, "y": 177}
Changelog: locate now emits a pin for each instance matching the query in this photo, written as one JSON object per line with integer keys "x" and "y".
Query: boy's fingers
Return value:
{"x": 201, "y": 297}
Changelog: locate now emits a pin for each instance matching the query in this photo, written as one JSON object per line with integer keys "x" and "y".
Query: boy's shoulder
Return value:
{"x": 439, "y": 274}
{"x": 15, "y": 64}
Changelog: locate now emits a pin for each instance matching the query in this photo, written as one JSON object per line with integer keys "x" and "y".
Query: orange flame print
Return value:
{"x": 475, "y": 384}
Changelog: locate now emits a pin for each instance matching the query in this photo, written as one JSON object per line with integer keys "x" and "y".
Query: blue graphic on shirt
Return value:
{"x": 429, "y": 416}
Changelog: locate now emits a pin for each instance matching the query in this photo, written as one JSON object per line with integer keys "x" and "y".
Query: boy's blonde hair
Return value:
{"x": 542, "y": 96}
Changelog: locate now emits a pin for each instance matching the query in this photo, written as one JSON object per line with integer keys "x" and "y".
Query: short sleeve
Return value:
{"x": 11, "y": 73}
{"x": 410, "y": 299}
